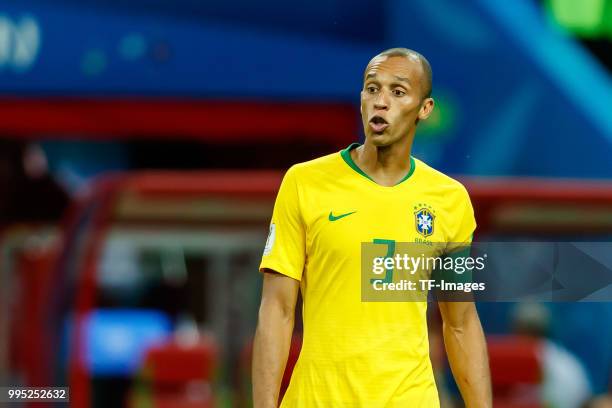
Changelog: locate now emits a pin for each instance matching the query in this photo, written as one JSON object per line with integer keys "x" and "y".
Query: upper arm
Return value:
{"x": 456, "y": 314}
{"x": 279, "y": 291}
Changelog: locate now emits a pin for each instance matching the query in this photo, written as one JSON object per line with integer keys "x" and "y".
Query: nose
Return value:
{"x": 381, "y": 102}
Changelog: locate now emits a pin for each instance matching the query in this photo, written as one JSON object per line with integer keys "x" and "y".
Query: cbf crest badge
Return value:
{"x": 424, "y": 219}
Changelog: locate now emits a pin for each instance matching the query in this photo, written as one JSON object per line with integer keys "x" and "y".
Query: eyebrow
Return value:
{"x": 399, "y": 78}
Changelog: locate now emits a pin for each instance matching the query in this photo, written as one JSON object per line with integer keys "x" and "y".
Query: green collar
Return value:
{"x": 346, "y": 155}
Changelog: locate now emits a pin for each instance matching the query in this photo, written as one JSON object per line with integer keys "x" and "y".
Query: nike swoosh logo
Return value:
{"x": 336, "y": 218}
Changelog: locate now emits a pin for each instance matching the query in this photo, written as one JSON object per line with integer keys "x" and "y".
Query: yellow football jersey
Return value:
{"x": 355, "y": 353}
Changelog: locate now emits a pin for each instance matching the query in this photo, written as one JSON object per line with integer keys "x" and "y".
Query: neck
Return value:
{"x": 386, "y": 165}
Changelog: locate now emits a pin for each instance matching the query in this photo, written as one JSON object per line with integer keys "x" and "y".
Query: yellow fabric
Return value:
{"x": 354, "y": 353}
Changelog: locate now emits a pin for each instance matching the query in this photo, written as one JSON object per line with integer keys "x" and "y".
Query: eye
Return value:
{"x": 398, "y": 92}
{"x": 371, "y": 89}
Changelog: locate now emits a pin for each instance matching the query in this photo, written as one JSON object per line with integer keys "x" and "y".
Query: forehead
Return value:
{"x": 407, "y": 67}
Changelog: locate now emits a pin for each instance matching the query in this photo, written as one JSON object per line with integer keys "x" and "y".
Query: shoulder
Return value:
{"x": 447, "y": 185}
{"x": 324, "y": 164}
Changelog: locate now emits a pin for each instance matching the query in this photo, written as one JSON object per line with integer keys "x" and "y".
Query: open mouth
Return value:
{"x": 378, "y": 124}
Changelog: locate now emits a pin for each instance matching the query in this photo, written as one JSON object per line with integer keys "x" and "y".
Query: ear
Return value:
{"x": 360, "y": 103}
{"x": 427, "y": 106}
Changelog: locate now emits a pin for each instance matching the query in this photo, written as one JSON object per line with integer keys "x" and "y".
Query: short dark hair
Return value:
{"x": 407, "y": 53}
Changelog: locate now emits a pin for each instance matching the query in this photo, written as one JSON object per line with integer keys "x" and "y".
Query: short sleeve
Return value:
{"x": 285, "y": 247}
{"x": 463, "y": 223}
{"x": 458, "y": 243}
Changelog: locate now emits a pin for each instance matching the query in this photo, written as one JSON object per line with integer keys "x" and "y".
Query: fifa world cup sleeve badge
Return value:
{"x": 270, "y": 240}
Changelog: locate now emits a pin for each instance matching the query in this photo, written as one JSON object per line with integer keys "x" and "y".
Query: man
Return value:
{"x": 355, "y": 353}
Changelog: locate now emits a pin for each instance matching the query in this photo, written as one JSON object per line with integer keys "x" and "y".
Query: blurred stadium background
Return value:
{"x": 142, "y": 143}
